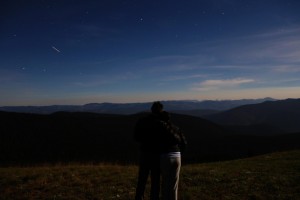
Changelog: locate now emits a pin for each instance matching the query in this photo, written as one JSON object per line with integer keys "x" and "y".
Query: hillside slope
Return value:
{"x": 283, "y": 114}
{"x": 90, "y": 137}
{"x": 81, "y": 137}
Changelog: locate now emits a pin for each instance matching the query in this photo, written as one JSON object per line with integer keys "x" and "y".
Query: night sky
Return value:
{"x": 77, "y": 52}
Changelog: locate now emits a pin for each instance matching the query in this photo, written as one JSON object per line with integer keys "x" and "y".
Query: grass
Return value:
{"x": 271, "y": 176}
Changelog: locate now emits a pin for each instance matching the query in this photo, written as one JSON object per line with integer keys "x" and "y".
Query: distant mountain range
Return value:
{"x": 196, "y": 108}
{"x": 282, "y": 115}
{"x": 259, "y": 116}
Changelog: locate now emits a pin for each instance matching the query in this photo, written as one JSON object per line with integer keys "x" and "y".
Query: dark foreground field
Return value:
{"x": 270, "y": 176}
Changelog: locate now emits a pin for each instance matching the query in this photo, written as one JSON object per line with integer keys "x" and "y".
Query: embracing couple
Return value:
{"x": 161, "y": 143}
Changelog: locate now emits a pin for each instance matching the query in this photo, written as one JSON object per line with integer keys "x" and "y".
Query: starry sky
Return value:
{"x": 86, "y": 51}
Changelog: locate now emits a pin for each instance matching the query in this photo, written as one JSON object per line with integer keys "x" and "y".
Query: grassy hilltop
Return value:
{"x": 270, "y": 176}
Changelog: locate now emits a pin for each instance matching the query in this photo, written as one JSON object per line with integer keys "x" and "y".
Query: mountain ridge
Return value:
{"x": 283, "y": 114}
{"x": 131, "y": 108}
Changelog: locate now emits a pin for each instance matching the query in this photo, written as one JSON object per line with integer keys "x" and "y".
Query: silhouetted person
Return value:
{"x": 147, "y": 132}
{"x": 172, "y": 143}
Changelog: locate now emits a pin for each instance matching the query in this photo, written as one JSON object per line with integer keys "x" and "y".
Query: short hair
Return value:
{"x": 157, "y": 107}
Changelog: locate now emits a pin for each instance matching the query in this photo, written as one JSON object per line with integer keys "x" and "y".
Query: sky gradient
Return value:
{"x": 77, "y": 52}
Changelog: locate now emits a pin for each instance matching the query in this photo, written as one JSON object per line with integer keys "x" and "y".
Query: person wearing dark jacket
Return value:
{"x": 172, "y": 143}
{"x": 147, "y": 132}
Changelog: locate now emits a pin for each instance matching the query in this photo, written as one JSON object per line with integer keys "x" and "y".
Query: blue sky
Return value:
{"x": 77, "y": 52}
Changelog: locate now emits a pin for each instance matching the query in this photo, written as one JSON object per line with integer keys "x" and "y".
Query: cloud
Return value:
{"x": 184, "y": 77}
{"x": 91, "y": 80}
{"x": 228, "y": 82}
{"x": 287, "y": 69}
{"x": 221, "y": 84}
{"x": 256, "y": 52}
{"x": 174, "y": 63}
{"x": 274, "y": 46}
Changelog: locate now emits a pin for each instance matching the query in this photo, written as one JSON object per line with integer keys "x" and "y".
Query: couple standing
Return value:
{"x": 160, "y": 144}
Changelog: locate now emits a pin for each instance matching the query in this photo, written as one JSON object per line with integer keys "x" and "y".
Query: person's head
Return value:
{"x": 157, "y": 107}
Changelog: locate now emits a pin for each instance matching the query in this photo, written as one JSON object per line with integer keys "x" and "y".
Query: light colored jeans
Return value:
{"x": 170, "y": 170}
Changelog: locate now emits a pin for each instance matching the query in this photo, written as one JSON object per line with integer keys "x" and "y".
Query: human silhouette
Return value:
{"x": 147, "y": 132}
{"x": 172, "y": 143}
{"x": 160, "y": 145}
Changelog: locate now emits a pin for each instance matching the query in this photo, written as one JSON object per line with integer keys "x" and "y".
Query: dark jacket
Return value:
{"x": 173, "y": 140}
{"x": 158, "y": 136}
{"x": 148, "y": 131}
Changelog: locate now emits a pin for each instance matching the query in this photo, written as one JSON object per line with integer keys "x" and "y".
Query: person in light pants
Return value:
{"x": 170, "y": 169}
{"x": 172, "y": 143}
